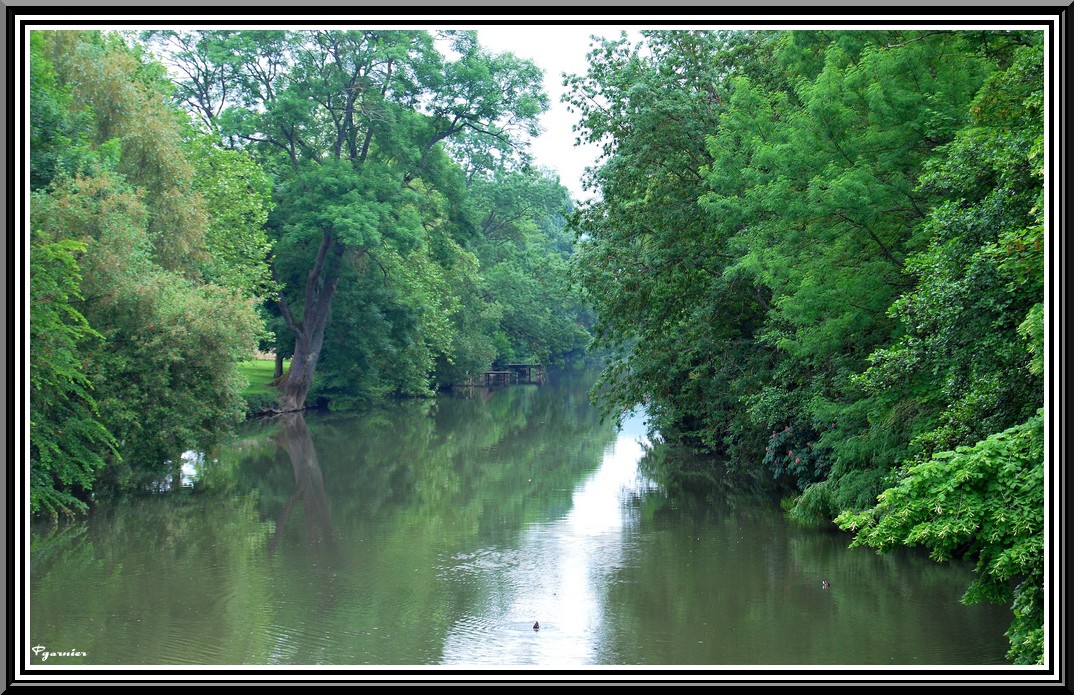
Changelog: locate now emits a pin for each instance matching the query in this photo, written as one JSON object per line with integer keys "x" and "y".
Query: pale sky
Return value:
{"x": 555, "y": 49}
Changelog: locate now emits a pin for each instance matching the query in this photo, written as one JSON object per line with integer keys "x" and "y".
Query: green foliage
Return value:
{"x": 484, "y": 131}
{"x": 58, "y": 136}
{"x": 372, "y": 226}
{"x": 974, "y": 343}
{"x": 979, "y": 282}
{"x": 1032, "y": 329}
{"x": 237, "y": 196}
{"x": 68, "y": 441}
{"x": 165, "y": 374}
{"x": 827, "y": 208}
{"x": 753, "y": 286}
{"x": 121, "y": 97}
{"x": 523, "y": 248}
{"x": 143, "y": 350}
{"x": 984, "y": 502}
{"x": 853, "y": 264}
{"x": 328, "y": 153}
{"x": 678, "y": 328}
{"x": 794, "y": 451}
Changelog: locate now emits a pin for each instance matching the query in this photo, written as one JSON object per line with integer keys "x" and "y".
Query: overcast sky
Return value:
{"x": 555, "y": 49}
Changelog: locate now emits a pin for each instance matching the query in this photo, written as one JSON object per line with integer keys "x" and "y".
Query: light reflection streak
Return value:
{"x": 559, "y": 573}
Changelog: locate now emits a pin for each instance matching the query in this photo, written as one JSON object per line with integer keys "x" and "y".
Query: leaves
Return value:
{"x": 134, "y": 355}
{"x": 165, "y": 375}
{"x": 847, "y": 278}
{"x": 237, "y": 197}
{"x": 68, "y": 440}
{"x": 106, "y": 77}
{"x": 985, "y": 502}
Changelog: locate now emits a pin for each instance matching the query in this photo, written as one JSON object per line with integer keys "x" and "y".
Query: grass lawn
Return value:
{"x": 259, "y": 373}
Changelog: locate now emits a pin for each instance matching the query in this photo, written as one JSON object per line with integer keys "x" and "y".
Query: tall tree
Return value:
{"x": 979, "y": 281}
{"x": 830, "y": 214}
{"x": 853, "y": 268}
{"x": 348, "y": 122}
{"x": 68, "y": 440}
{"x": 125, "y": 99}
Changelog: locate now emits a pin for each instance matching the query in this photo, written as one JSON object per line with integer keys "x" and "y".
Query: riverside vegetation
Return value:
{"x": 818, "y": 254}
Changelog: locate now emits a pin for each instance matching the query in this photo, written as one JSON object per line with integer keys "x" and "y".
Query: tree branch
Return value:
{"x": 281, "y": 303}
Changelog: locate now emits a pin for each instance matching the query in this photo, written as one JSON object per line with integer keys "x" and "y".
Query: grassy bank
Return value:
{"x": 259, "y": 374}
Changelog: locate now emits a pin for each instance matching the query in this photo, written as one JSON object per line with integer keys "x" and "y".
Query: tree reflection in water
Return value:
{"x": 294, "y": 438}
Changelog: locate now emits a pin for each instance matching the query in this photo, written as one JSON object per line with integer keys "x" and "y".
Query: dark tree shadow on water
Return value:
{"x": 295, "y": 439}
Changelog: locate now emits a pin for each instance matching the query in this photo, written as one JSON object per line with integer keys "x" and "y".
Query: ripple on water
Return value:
{"x": 187, "y": 644}
{"x": 479, "y": 562}
{"x": 475, "y": 640}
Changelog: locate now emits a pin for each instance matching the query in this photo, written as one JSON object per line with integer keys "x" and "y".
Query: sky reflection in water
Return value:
{"x": 558, "y": 573}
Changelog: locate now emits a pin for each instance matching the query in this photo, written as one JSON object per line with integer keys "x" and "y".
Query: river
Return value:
{"x": 507, "y": 528}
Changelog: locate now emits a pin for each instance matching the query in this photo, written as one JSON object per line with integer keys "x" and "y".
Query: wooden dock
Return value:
{"x": 510, "y": 374}
{"x": 499, "y": 377}
{"x": 534, "y": 373}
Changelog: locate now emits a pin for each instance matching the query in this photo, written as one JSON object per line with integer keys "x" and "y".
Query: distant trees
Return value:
{"x": 821, "y": 252}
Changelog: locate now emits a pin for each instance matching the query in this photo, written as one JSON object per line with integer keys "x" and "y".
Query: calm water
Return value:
{"x": 436, "y": 533}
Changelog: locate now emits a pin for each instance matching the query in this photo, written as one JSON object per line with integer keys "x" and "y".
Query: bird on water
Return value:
{"x": 825, "y": 584}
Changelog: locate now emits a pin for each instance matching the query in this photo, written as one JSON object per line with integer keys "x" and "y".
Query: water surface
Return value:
{"x": 436, "y": 533}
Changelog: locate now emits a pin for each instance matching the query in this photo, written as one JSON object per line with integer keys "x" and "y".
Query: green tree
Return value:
{"x": 485, "y": 283}
{"x": 850, "y": 273}
{"x": 350, "y": 123}
{"x": 831, "y": 212}
{"x": 68, "y": 441}
{"x": 165, "y": 375}
{"x": 161, "y": 345}
{"x": 59, "y": 136}
{"x": 981, "y": 276}
{"x": 984, "y": 502}
{"x": 524, "y": 246}
{"x": 972, "y": 356}
{"x": 752, "y": 279}
{"x": 116, "y": 87}
{"x": 237, "y": 195}
{"x": 677, "y": 317}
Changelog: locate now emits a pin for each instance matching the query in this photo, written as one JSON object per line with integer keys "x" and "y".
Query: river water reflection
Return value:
{"x": 436, "y": 533}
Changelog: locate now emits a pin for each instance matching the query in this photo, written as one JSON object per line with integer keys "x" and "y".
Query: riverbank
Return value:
{"x": 259, "y": 392}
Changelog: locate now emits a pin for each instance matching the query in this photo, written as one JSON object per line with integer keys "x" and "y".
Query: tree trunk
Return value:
{"x": 309, "y": 335}
{"x": 278, "y": 372}
{"x": 308, "y": 342}
{"x": 299, "y": 379}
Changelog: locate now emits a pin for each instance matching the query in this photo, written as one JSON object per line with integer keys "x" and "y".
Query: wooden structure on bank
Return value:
{"x": 510, "y": 374}
{"x": 534, "y": 373}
